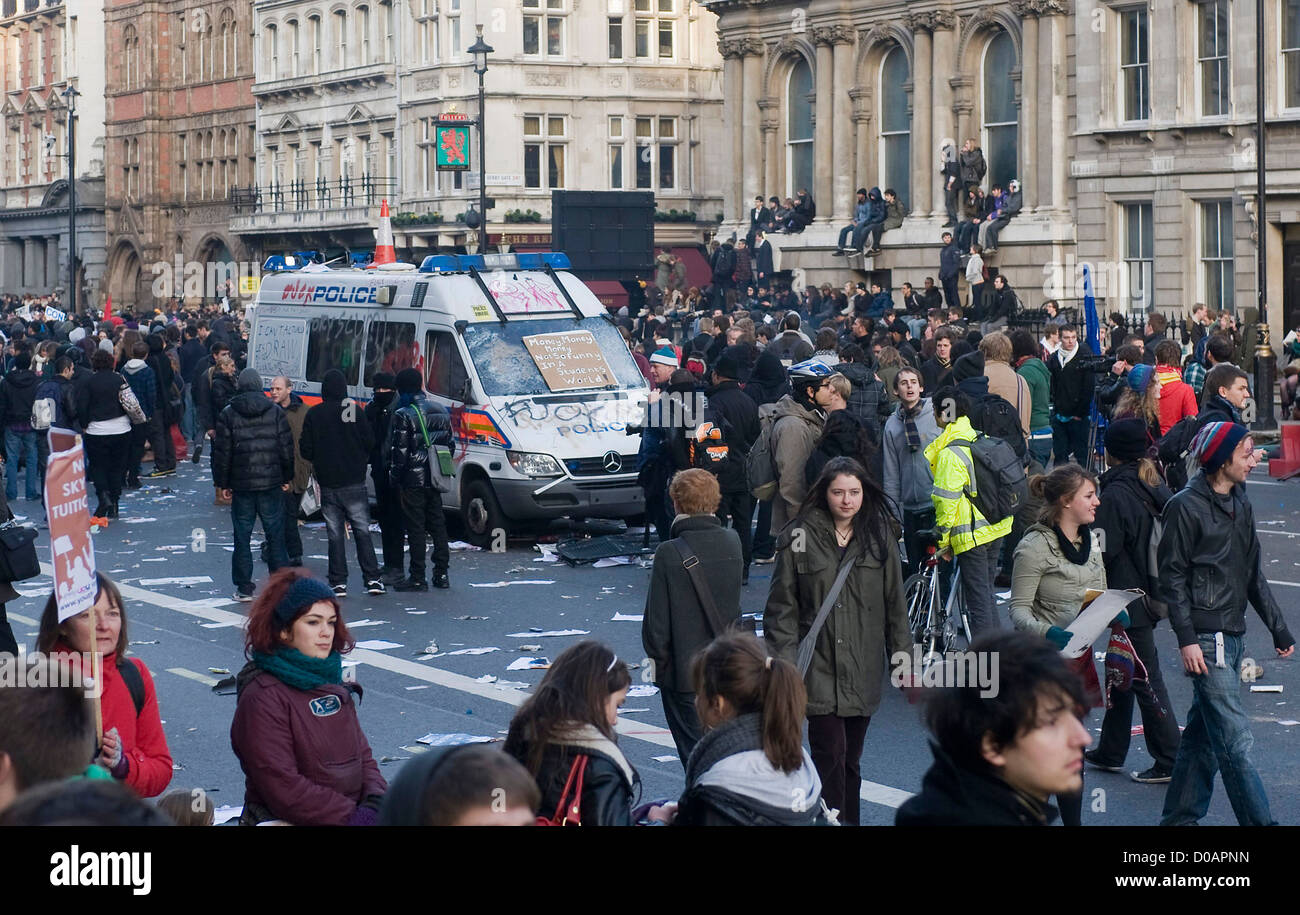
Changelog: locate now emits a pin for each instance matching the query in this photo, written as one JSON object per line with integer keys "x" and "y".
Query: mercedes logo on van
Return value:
{"x": 612, "y": 462}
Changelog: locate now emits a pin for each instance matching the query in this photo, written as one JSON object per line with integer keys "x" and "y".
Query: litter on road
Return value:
{"x": 378, "y": 644}
{"x": 453, "y": 740}
{"x": 549, "y": 633}
{"x": 506, "y": 584}
{"x": 529, "y": 664}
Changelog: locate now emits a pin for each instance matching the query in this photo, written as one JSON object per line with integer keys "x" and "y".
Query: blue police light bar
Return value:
{"x": 279, "y": 263}
{"x": 501, "y": 261}
{"x": 440, "y": 263}
{"x": 360, "y": 258}
{"x": 461, "y": 263}
{"x": 307, "y": 256}
{"x": 541, "y": 259}
{"x": 471, "y": 261}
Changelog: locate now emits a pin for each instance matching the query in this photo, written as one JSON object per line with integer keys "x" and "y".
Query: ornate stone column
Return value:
{"x": 942, "y": 124}
{"x": 1053, "y": 12}
{"x": 1030, "y": 66}
{"x": 824, "y": 119}
{"x": 922, "y": 104}
{"x": 732, "y": 53}
{"x": 770, "y": 108}
{"x": 845, "y": 136}
{"x": 865, "y": 164}
{"x": 33, "y": 268}
{"x": 752, "y": 67}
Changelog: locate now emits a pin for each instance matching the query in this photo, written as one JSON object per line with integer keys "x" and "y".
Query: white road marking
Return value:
{"x": 1285, "y": 584}
{"x": 191, "y": 675}
{"x": 19, "y": 618}
{"x": 1278, "y": 533}
{"x": 871, "y": 792}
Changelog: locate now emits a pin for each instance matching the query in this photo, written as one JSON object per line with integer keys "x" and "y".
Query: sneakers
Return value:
{"x": 242, "y": 597}
{"x": 764, "y": 560}
{"x": 340, "y": 590}
{"x": 1153, "y": 776}
{"x": 407, "y": 584}
{"x": 441, "y": 581}
{"x": 162, "y": 473}
{"x": 839, "y": 252}
{"x": 376, "y": 587}
{"x": 1092, "y": 759}
{"x": 871, "y": 252}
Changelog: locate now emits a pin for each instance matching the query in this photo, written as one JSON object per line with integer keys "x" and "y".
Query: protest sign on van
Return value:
{"x": 570, "y": 360}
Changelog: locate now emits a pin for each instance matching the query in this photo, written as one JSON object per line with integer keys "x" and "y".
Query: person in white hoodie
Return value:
{"x": 750, "y": 768}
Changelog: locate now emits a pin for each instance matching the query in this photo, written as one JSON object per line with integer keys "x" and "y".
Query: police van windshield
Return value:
{"x": 504, "y": 366}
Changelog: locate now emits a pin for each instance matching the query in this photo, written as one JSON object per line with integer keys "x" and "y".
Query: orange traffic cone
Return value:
{"x": 385, "y": 253}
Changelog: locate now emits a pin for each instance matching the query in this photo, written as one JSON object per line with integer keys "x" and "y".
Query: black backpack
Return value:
{"x": 1172, "y": 450}
{"x": 994, "y": 416}
{"x": 725, "y": 264}
{"x": 1001, "y": 486}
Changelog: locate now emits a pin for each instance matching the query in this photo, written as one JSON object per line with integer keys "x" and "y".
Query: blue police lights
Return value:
{"x": 462, "y": 263}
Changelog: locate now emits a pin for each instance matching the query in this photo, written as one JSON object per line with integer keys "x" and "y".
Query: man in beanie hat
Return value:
{"x": 1132, "y": 499}
{"x": 419, "y": 426}
{"x": 1210, "y": 566}
{"x": 252, "y": 466}
{"x": 652, "y": 460}
{"x": 337, "y": 439}
{"x": 392, "y": 525}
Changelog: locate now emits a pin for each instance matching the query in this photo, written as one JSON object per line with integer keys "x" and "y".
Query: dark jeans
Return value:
{"x": 764, "y": 543}
{"x": 42, "y": 458}
{"x": 160, "y": 440}
{"x": 18, "y": 444}
{"x": 423, "y": 511}
{"x": 996, "y": 226}
{"x": 1070, "y": 438}
{"x": 978, "y": 567}
{"x": 977, "y": 302}
{"x": 951, "y": 294}
{"x": 106, "y": 463}
{"x": 967, "y": 233}
{"x": 292, "y": 536}
{"x": 392, "y": 523}
{"x": 138, "y": 435}
{"x": 738, "y": 508}
{"x": 951, "y": 202}
{"x": 683, "y": 721}
{"x": 246, "y": 507}
{"x": 858, "y": 232}
{"x": 348, "y": 506}
{"x": 873, "y": 231}
{"x": 1160, "y": 730}
{"x": 657, "y": 513}
{"x": 835, "y": 745}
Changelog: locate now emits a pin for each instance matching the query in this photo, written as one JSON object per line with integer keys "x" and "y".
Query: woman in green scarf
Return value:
{"x": 295, "y": 731}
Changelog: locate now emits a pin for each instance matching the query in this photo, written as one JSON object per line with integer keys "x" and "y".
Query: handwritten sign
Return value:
{"x": 66, "y": 505}
{"x": 570, "y": 360}
{"x": 279, "y": 345}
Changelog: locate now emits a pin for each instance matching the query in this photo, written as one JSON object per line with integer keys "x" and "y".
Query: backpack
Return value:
{"x": 1157, "y": 608}
{"x": 707, "y": 448}
{"x": 994, "y": 416}
{"x": 1172, "y": 449}
{"x": 760, "y": 465}
{"x": 725, "y": 264}
{"x": 1001, "y": 486}
{"x": 42, "y": 413}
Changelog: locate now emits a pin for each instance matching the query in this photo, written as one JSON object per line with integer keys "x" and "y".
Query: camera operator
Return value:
{"x": 1110, "y": 387}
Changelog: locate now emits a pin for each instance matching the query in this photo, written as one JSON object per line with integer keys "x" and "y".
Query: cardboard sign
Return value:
{"x": 570, "y": 360}
{"x": 66, "y": 506}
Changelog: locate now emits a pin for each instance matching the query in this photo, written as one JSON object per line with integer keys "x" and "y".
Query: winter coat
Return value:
{"x": 339, "y": 450}
{"x": 1215, "y": 409}
{"x": 1127, "y": 514}
{"x": 724, "y": 263}
{"x": 60, "y": 392}
{"x": 252, "y": 447}
{"x": 408, "y": 463}
{"x": 738, "y": 414}
{"x": 868, "y": 400}
{"x": 950, "y": 261}
{"x": 731, "y": 782}
{"x": 973, "y": 166}
{"x": 1177, "y": 399}
{"x": 304, "y": 755}
{"x": 1211, "y": 565}
{"x": 1072, "y": 384}
{"x": 866, "y": 625}
{"x": 610, "y": 786}
{"x": 893, "y": 215}
{"x": 191, "y": 354}
{"x": 675, "y": 625}
{"x": 768, "y": 382}
{"x": 861, "y": 212}
{"x": 140, "y": 735}
{"x": 953, "y": 796}
{"x": 795, "y": 430}
{"x": 907, "y": 479}
{"x": 876, "y": 209}
{"x": 222, "y": 391}
{"x": 1047, "y": 589}
{"x": 744, "y": 272}
{"x": 17, "y": 394}
{"x": 1039, "y": 379}
{"x": 1004, "y": 382}
{"x": 763, "y": 259}
{"x": 143, "y": 384}
{"x": 380, "y": 416}
{"x": 98, "y": 399}
{"x": 1002, "y": 305}
{"x": 1012, "y": 203}
{"x": 962, "y": 525}
{"x": 840, "y": 437}
{"x": 791, "y": 346}
{"x": 935, "y": 375}
{"x": 879, "y": 303}
{"x": 805, "y": 210}
{"x": 296, "y": 414}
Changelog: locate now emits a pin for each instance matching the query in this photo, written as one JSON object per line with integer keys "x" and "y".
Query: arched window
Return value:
{"x": 313, "y": 43}
{"x": 131, "y": 70}
{"x": 210, "y": 42}
{"x": 340, "y": 40}
{"x": 271, "y": 52}
{"x": 895, "y": 126}
{"x": 1001, "y": 121}
{"x": 799, "y": 128}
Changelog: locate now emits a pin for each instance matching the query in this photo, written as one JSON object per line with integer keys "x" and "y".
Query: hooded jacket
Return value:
{"x": 252, "y": 448}
{"x": 952, "y": 796}
{"x": 304, "y": 755}
{"x": 336, "y": 436}
{"x": 795, "y": 430}
{"x": 731, "y": 782}
{"x": 868, "y": 400}
{"x": 1127, "y": 514}
{"x": 1047, "y": 589}
{"x": 63, "y": 398}
{"x": 791, "y": 346}
{"x": 768, "y": 382}
{"x": 675, "y": 625}
{"x": 973, "y": 166}
{"x": 861, "y": 212}
{"x": 950, "y": 261}
{"x": 961, "y": 524}
{"x": 408, "y": 464}
{"x": 1036, "y": 375}
{"x": 143, "y": 383}
{"x": 379, "y": 413}
{"x": 1211, "y": 565}
{"x": 876, "y": 209}
{"x": 893, "y": 215}
{"x": 840, "y": 437}
{"x": 738, "y": 415}
{"x": 907, "y": 478}
{"x": 17, "y": 394}
{"x": 866, "y": 625}
{"x": 610, "y": 785}
{"x": 1217, "y": 409}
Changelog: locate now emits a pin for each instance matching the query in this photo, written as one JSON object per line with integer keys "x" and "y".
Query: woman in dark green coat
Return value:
{"x": 844, "y": 518}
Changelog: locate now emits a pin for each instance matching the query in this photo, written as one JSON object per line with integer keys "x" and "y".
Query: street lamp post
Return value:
{"x": 480, "y": 50}
{"x": 1264, "y": 359}
{"x": 71, "y": 94}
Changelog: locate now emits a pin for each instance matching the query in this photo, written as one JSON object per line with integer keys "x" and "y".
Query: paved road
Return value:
{"x": 185, "y": 631}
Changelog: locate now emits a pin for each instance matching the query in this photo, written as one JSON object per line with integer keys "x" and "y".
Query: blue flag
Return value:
{"x": 1092, "y": 326}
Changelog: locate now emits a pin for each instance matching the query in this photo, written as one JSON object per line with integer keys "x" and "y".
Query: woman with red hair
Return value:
{"x": 295, "y": 731}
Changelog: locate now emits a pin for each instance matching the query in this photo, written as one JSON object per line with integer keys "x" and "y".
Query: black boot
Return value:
{"x": 112, "y": 509}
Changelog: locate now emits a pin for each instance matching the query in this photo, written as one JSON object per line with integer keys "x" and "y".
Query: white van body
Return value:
{"x": 524, "y": 452}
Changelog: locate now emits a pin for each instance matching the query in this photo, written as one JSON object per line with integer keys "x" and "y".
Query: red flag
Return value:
{"x": 108, "y": 307}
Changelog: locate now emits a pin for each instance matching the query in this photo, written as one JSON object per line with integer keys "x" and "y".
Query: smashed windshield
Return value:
{"x": 506, "y": 369}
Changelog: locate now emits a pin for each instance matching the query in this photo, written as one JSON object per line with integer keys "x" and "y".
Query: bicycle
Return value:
{"x": 933, "y": 618}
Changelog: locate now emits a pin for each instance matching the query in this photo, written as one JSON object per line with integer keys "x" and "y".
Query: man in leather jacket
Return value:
{"x": 1210, "y": 567}
{"x": 410, "y": 474}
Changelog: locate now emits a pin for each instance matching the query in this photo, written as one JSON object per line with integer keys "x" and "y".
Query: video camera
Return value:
{"x": 1097, "y": 364}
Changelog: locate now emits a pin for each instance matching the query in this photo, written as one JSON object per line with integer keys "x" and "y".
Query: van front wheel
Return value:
{"x": 483, "y": 515}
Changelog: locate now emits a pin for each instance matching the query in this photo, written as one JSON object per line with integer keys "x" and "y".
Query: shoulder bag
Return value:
{"x": 691, "y": 563}
{"x": 809, "y": 642}
{"x": 569, "y": 811}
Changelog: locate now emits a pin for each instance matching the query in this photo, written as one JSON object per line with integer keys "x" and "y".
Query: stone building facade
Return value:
{"x": 179, "y": 139}
{"x": 47, "y": 48}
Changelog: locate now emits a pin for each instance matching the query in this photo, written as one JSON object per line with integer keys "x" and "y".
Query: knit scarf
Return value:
{"x": 293, "y": 668}
{"x": 909, "y": 425}
{"x": 1077, "y": 555}
{"x": 1167, "y": 373}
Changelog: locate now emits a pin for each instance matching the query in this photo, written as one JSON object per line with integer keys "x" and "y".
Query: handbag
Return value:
{"x": 568, "y": 812}
{"x": 18, "y": 559}
{"x": 126, "y": 397}
{"x": 704, "y": 594}
{"x": 311, "y": 500}
{"x": 809, "y": 642}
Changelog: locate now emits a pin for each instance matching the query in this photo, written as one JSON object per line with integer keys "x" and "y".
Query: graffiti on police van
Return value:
{"x": 525, "y": 295}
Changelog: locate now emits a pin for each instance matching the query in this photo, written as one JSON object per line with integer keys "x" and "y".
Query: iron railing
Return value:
{"x": 321, "y": 194}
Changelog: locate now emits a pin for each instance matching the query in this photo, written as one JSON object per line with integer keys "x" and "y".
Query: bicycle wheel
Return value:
{"x": 916, "y": 597}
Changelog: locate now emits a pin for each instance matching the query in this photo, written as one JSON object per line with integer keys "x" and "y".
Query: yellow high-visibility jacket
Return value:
{"x": 960, "y": 523}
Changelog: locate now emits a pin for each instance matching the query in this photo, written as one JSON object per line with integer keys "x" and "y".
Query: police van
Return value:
{"x": 539, "y": 382}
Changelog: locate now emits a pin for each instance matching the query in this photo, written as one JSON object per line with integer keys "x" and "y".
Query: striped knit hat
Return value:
{"x": 1214, "y": 444}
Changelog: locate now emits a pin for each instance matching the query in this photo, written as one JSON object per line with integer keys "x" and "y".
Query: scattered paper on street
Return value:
{"x": 378, "y": 644}
{"x": 452, "y": 740}
{"x": 627, "y": 618}
{"x": 638, "y": 690}
{"x": 529, "y": 664}
{"x": 506, "y": 584}
{"x": 549, "y": 633}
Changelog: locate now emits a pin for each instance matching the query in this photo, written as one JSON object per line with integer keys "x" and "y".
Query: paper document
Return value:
{"x": 1100, "y": 608}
